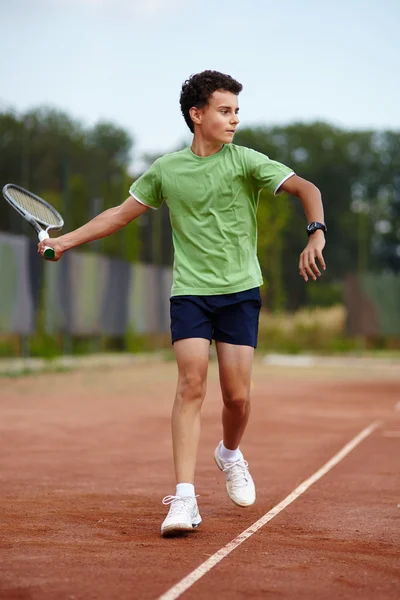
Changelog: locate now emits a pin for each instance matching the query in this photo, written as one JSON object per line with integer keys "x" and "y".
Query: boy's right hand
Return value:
{"x": 56, "y": 244}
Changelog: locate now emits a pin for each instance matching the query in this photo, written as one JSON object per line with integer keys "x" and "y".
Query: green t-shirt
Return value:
{"x": 212, "y": 203}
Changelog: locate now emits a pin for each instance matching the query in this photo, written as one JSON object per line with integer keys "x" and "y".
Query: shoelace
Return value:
{"x": 237, "y": 472}
{"x": 178, "y": 503}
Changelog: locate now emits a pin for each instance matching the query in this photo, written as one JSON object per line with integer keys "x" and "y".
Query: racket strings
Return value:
{"x": 35, "y": 208}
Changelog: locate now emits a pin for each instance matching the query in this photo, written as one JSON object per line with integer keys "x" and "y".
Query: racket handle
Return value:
{"x": 48, "y": 251}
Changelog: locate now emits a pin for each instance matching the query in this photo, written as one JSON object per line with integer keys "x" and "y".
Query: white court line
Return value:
{"x": 187, "y": 582}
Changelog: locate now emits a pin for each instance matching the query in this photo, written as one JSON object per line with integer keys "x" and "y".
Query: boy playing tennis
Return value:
{"x": 211, "y": 190}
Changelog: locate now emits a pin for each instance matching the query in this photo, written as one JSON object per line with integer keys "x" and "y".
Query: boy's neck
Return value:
{"x": 203, "y": 147}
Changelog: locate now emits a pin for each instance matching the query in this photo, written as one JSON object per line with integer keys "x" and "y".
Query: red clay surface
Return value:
{"x": 85, "y": 460}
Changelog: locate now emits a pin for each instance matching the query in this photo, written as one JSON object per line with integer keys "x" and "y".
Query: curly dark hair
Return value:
{"x": 198, "y": 89}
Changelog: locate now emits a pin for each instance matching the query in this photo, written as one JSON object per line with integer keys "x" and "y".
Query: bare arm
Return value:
{"x": 106, "y": 223}
{"x": 310, "y": 197}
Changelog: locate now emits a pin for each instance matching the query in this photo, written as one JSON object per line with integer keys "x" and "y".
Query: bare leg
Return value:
{"x": 235, "y": 366}
{"x": 192, "y": 360}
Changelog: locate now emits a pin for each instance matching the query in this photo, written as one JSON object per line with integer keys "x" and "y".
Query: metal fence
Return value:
{"x": 87, "y": 294}
{"x": 83, "y": 294}
{"x": 373, "y": 305}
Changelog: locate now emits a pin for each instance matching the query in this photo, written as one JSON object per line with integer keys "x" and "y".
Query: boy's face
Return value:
{"x": 219, "y": 119}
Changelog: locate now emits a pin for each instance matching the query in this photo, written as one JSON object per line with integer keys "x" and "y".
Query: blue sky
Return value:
{"x": 125, "y": 60}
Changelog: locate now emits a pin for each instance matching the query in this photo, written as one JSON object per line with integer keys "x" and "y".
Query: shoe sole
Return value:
{"x": 179, "y": 528}
{"x": 230, "y": 497}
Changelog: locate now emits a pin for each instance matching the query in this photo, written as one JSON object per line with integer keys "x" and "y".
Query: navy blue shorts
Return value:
{"x": 230, "y": 318}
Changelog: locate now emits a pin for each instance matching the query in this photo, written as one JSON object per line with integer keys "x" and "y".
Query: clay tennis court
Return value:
{"x": 85, "y": 460}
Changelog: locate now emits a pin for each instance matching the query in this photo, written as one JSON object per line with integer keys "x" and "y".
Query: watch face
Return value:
{"x": 311, "y": 227}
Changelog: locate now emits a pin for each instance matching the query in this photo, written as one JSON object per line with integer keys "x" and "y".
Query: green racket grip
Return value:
{"x": 48, "y": 251}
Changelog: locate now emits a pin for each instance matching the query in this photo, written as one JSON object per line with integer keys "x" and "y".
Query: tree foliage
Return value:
{"x": 358, "y": 175}
{"x": 83, "y": 171}
{"x": 80, "y": 171}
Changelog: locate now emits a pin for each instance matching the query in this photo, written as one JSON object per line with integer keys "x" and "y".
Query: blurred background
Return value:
{"x": 90, "y": 98}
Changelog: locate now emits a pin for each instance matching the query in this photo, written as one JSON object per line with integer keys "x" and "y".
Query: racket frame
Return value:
{"x": 42, "y": 228}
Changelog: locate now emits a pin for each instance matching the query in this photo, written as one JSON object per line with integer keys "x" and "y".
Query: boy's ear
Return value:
{"x": 195, "y": 115}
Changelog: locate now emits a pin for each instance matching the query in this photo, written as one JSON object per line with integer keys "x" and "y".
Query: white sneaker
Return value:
{"x": 239, "y": 483}
{"x": 183, "y": 515}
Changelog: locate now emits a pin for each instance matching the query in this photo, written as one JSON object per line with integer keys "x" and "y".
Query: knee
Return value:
{"x": 191, "y": 387}
{"x": 237, "y": 400}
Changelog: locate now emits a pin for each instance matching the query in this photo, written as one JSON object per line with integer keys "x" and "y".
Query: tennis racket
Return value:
{"x": 39, "y": 213}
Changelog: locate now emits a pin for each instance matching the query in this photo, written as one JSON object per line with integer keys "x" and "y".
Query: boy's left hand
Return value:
{"x": 307, "y": 265}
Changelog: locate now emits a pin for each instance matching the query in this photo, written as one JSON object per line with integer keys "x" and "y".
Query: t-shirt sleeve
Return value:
{"x": 148, "y": 188}
{"x": 267, "y": 173}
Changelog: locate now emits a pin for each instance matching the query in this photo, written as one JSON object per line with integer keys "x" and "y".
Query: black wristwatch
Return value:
{"x": 312, "y": 227}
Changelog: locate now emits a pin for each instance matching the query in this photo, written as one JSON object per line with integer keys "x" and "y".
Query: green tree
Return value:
{"x": 355, "y": 171}
{"x": 81, "y": 171}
